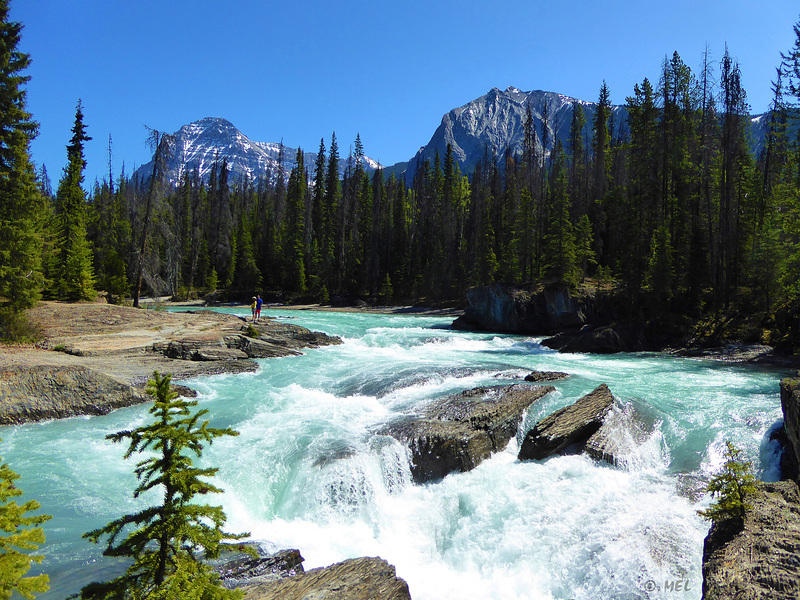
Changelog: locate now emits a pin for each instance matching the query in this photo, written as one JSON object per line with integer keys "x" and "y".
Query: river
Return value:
{"x": 308, "y": 470}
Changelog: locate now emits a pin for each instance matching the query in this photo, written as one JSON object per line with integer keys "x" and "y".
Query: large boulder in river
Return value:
{"x": 759, "y": 558}
{"x": 459, "y": 432}
{"x": 353, "y": 579}
{"x": 606, "y": 339}
{"x": 570, "y": 425}
{"x": 505, "y": 308}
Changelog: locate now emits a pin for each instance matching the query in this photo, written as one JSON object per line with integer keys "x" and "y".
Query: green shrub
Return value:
{"x": 15, "y": 327}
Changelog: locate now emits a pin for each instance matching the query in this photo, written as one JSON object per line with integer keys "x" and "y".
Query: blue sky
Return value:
{"x": 300, "y": 70}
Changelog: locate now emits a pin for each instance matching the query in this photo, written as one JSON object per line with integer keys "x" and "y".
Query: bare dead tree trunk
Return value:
{"x": 156, "y": 138}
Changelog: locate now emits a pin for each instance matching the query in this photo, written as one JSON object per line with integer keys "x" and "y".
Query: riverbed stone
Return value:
{"x": 543, "y": 376}
{"x": 457, "y": 433}
{"x": 238, "y": 568}
{"x": 570, "y": 425}
{"x": 353, "y": 579}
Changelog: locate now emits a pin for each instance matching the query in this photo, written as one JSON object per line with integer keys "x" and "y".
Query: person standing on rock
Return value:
{"x": 259, "y": 302}
{"x": 253, "y": 308}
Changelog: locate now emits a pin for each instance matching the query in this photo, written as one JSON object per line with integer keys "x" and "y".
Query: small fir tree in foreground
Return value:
{"x": 731, "y": 486}
{"x": 19, "y": 534}
{"x": 167, "y": 541}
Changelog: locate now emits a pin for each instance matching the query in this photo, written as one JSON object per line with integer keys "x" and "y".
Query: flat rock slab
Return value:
{"x": 50, "y": 392}
{"x": 570, "y": 425}
{"x": 761, "y": 559}
{"x": 354, "y": 579}
{"x": 460, "y": 431}
{"x": 92, "y": 354}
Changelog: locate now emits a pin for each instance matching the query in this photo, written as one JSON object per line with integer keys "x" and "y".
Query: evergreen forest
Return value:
{"x": 672, "y": 211}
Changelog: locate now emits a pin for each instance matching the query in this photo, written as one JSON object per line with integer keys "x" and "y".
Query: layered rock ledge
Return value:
{"x": 790, "y": 405}
{"x": 761, "y": 557}
{"x": 354, "y": 579}
{"x": 97, "y": 357}
{"x": 460, "y": 431}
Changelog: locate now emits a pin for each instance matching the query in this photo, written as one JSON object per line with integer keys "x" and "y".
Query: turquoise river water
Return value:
{"x": 308, "y": 470}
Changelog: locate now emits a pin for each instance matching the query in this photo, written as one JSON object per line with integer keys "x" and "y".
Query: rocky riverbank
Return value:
{"x": 603, "y": 323}
{"x": 97, "y": 357}
{"x": 759, "y": 557}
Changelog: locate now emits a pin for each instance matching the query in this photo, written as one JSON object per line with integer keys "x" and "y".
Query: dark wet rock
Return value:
{"x": 506, "y": 308}
{"x": 570, "y": 425}
{"x": 607, "y": 339}
{"x": 182, "y": 390}
{"x": 51, "y": 392}
{"x": 353, "y": 579}
{"x": 237, "y": 568}
{"x": 790, "y": 404}
{"x": 760, "y": 557}
{"x": 459, "y": 432}
{"x": 542, "y": 376}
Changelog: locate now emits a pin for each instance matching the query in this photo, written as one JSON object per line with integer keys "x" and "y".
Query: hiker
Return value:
{"x": 259, "y": 302}
{"x": 253, "y": 308}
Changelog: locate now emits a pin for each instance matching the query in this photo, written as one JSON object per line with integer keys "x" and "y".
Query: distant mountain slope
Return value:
{"x": 201, "y": 144}
{"x": 496, "y": 121}
{"x": 491, "y": 123}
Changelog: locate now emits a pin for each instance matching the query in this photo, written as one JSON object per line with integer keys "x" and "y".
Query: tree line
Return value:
{"x": 670, "y": 207}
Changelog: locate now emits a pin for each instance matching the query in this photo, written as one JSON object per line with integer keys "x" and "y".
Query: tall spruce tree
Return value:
{"x": 295, "y": 234}
{"x": 20, "y": 200}
{"x": 167, "y": 541}
{"x": 75, "y": 266}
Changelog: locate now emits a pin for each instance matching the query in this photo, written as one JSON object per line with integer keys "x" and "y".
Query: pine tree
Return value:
{"x": 295, "y": 226}
{"x": 20, "y": 201}
{"x": 731, "y": 487}
{"x": 601, "y": 143}
{"x": 332, "y": 248}
{"x": 20, "y": 534}
{"x": 560, "y": 262}
{"x": 167, "y": 541}
{"x": 76, "y": 269}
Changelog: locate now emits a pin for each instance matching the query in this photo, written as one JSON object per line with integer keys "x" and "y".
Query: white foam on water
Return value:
{"x": 309, "y": 469}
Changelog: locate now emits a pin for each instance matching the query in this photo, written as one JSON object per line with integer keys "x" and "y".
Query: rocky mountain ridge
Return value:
{"x": 488, "y": 124}
{"x": 203, "y": 145}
